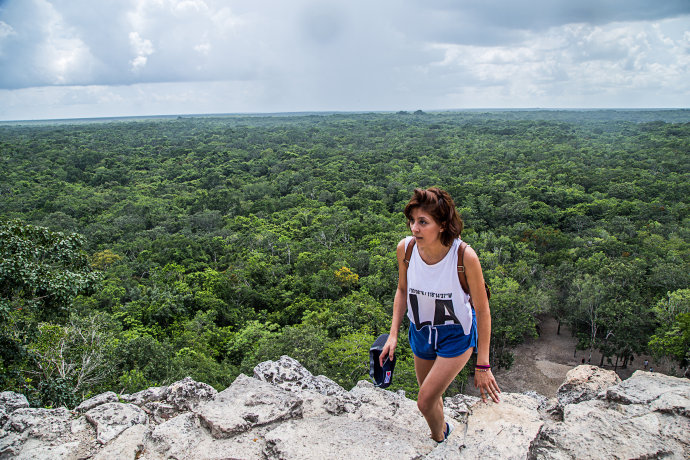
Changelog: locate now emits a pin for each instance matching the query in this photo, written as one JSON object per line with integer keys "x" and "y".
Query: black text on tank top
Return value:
{"x": 443, "y": 311}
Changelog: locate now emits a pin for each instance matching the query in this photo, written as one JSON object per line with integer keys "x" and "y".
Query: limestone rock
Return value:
{"x": 183, "y": 437}
{"x": 343, "y": 438}
{"x": 641, "y": 417}
{"x": 11, "y": 401}
{"x": 592, "y": 430}
{"x": 90, "y": 403}
{"x": 245, "y": 404}
{"x": 289, "y": 374}
{"x": 188, "y": 394}
{"x": 583, "y": 383}
{"x": 164, "y": 403}
{"x": 111, "y": 419}
{"x": 459, "y": 406}
{"x": 142, "y": 397}
{"x": 128, "y": 445}
{"x": 382, "y": 406}
{"x": 37, "y": 433}
{"x": 504, "y": 430}
{"x": 664, "y": 392}
{"x": 178, "y": 436}
{"x": 285, "y": 412}
{"x": 44, "y": 424}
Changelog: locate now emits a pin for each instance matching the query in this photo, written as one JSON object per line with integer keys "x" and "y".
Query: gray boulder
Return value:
{"x": 44, "y": 434}
{"x": 149, "y": 395}
{"x": 663, "y": 392}
{"x": 187, "y": 394}
{"x": 90, "y": 403}
{"x": 644, "y": 416}
{"x": 164, "y": 403}
{"x": 285, "y": 412}
{"x": 504, "y": 430}
{"x": 111, "y": 419}
{"x": 320, "y": 394}
{"x": 584, "y": 383}
{"x": 11, "y": 401}
{"x": 129, "y": 444}
{"x": 245, "y": 404}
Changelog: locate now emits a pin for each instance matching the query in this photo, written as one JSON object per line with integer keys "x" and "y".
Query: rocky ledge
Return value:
{"x": 284, "y": 412}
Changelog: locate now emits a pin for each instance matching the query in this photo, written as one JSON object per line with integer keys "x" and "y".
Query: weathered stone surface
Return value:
{"x": 644, "y": 416}
{"x": 160, "y": 411}
{"x": 298, "y": 415}
{"x": 343, "y": 438}
{"x": 183, "y": 437}
{"x": 178, "y": 436}
{"x": 33, "y": 450}
{"x": 29, "y": 433}
{"x": 382, "y": 406}
{"x": 591, "y": 429}
{"x": 96, "y": 401}
{"x": 288, "y": 374}
{"x": 245, "y": 404}
{"x": 164, "y": 403}
{"x": 504, "y": 430}
{"x": 128, "y": 445}
{"x": 44, "y": 424}
{"x": 11, "y": 401}
{"x": 583, "y": 383}
{"x": 458, "y": 406}
{"x": 111, "y": 419}
{"x": 665, "y": 393}
{"x": 188, "y": 394}
{"x": 142, "y": 397}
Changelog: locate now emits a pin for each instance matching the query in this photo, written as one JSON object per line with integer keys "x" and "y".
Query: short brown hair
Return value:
{"x": 439, "y": 204}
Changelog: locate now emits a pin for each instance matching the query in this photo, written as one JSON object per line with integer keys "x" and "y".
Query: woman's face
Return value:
{"x": 424, "y": 228}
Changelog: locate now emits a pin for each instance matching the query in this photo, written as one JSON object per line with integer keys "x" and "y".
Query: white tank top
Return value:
{"x": 434, "y": 295}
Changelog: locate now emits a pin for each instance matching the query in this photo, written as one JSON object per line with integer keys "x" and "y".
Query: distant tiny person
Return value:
{"x": 646, "y": 363}
{"x": 444, "y": 328}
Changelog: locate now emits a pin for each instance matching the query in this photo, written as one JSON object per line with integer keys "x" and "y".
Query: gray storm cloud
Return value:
{"x": 272, "y": 55}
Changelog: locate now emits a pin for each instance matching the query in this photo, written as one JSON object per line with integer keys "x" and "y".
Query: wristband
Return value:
{"x": 482, "y": 366}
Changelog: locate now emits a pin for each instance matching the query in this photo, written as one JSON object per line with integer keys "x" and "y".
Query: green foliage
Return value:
{"x": 42, "y": 270}
{"x": 672, "y": 338}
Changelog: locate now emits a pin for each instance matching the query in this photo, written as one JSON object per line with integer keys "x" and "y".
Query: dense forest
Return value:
{"x": 137, "y": 252}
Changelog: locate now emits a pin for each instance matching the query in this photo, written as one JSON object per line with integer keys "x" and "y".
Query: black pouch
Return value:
{"x": 382, "y": 376}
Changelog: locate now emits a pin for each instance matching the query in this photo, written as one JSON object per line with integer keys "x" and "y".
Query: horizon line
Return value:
{"x": 344, "y": 112}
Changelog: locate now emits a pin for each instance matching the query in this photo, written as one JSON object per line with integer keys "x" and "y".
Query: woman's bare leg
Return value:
{"x": 434, "y": 377}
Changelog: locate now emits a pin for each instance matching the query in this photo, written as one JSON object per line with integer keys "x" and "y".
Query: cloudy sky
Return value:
{"x": 100, "y": 58}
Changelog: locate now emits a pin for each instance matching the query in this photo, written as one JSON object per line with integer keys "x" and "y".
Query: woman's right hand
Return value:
{"x": 388, "y": 349}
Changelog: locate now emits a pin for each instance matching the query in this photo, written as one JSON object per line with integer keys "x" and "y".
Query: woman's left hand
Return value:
{"x": 487, "y": 385}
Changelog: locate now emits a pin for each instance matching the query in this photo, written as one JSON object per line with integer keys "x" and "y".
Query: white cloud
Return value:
{"x": 574, "y": 59}
{"x": 271, "y": 55}
{"x": 142, "y": 49}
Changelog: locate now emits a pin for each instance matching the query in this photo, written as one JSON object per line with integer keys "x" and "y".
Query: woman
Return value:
{"x": 444, "y": 328}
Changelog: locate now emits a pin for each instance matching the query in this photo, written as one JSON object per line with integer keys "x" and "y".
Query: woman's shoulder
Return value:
{"x": 401, "y": 249}
{"x": 469, "y": 255}
{"x": 404, "y": 242}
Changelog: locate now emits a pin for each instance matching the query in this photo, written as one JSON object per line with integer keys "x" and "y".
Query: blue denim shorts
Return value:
{"x": 447, "y": 341}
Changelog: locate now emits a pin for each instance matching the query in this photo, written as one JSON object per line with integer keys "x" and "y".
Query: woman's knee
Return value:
{"x": 426, "y": 404}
